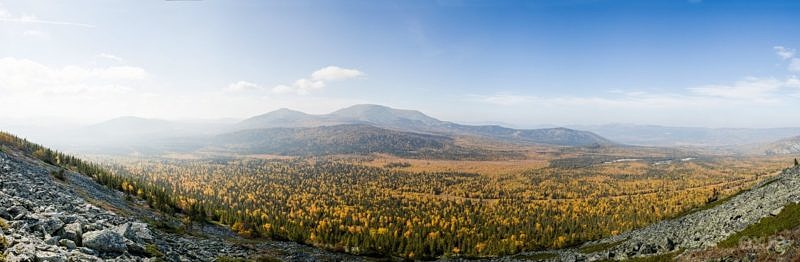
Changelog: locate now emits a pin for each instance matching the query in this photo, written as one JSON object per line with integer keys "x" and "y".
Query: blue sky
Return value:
{"x": 527, "y": 63}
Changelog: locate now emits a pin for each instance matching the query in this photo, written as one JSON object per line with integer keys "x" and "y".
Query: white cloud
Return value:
{"x": 784, "y": 52}
{"x": 26, "y": 76}
{"x": 749, "y": 91}
{"x": 243, "y": 86}
{"x": 749, "y": 88}
{"x": 317, "y": 80}
{"x": 335, "y": 73}
{"x": 111, "y": 57}
{"x": 7, "y": 16}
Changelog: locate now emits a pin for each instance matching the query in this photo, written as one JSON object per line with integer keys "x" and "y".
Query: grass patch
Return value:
{"x": 153, "y": 251}
{"x": 537, "y": 256}
{"x": 788, "y": 218}
{"x": 59, "y": 174}
{"x": 3, "y": 224}
{"x": 599, "y": 247}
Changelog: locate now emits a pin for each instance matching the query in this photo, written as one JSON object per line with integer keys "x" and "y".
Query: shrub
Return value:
{"x": 59, "y": 174}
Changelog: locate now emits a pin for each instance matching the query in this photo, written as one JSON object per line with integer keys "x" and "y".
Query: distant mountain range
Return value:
{"x": 653, "y": 135}
{"x": 417, "y": 122}
{"x": 364, "y": 129}
{"x": 359, "y": 129}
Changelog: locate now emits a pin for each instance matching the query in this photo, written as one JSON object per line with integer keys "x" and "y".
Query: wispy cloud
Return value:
{"x": 18, "y": 76}
{"x": 789, "y": 54}
{"x": 9, "y": 17}
{"x": 784, "y": 52}
{"x": 750, "y": 88}
{"x": 317, "y": 80}
{"x": 243, "y": 86}
{"x": 111, "y": 57}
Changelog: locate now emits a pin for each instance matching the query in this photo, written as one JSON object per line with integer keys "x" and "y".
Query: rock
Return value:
{"x": 776, "y": 211}
{"x": 51, "y": 225}
{"x": 52, "y": 240}
{"x": 5, "y": 215}
{"x": 781, "y": 246}
{"x": 16, "y": 210}
{"x": 45, "y": 256}
{"x": 137, "y": 232}
{"x": 86, "y": 250}
{"x": 69, "y": 244}
{"x": 105, "y": 241}
{"x": 72, "y": 232}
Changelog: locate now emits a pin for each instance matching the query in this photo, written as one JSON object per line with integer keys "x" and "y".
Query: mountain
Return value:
{"x": 283, "y": 117}
{"x": 348, "y": 139}
{"x": 417, "y": 122}
{"x": 143, "y": 136}
{"x": 383, "y": 116}
{"x": 653, "y": 135}
{"x": 783, "y": 147}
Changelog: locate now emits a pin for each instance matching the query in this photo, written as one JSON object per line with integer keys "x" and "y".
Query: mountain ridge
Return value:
{"x": 418, "y": 122}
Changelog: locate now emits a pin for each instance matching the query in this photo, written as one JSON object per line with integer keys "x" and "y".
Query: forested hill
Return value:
{"x": 350, "y": 139}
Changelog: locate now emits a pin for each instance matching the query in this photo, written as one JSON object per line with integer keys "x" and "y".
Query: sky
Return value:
{"x": 524, "y": 63}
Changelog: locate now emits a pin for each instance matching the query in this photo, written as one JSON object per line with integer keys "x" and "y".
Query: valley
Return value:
{"x": 372, "y": 181}
{"x": 427, "y": 208}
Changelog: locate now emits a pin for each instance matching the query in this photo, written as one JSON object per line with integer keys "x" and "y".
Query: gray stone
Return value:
{"x": 73, "y": 232}
{"x": 45, "y": 256}
{"x": 137, "y": 232}
{"x": 51, "y": 225}
{"x": 52, "y": 240}
{"x": 68, "y": 244}
{"x": 776, "y": 212}
{"x": 105, "y": 241}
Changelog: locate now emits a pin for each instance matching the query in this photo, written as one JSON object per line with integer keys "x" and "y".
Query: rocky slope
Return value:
{"x": 45, "y": 219}
{"x": 695, "y": 231}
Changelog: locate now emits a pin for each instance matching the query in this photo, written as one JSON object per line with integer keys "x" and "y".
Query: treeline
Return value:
{"x": 156, "y": 196}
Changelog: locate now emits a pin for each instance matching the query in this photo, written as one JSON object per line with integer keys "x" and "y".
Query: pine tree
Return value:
{"x": 796, "y": 163}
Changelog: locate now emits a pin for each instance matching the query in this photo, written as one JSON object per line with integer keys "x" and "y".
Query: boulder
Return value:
{"x": 72, "y": 232}
{"x": 135, "y": 231}
{"x": 776, "y": 212}
{"x": 105, "y": 241}
{"x": 52, "y": 240}
{"x": 51, "y": 225}
{"x": 45, "y": 256}
{"x": 69, "y": 244}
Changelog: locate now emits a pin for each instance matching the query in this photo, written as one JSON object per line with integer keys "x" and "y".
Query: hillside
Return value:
{"x": 50, "y": 212}
{"x": 692, "y": 236}
{"x": 349, "y": 139}
{"x": 783, "y": 147}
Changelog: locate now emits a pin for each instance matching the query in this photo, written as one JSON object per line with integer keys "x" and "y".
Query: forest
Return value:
{"x": 415, "y": 208}
{"x": 399, "y": 210}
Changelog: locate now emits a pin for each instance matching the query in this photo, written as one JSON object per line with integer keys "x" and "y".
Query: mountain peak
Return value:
{"x": 382, "y": 114}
